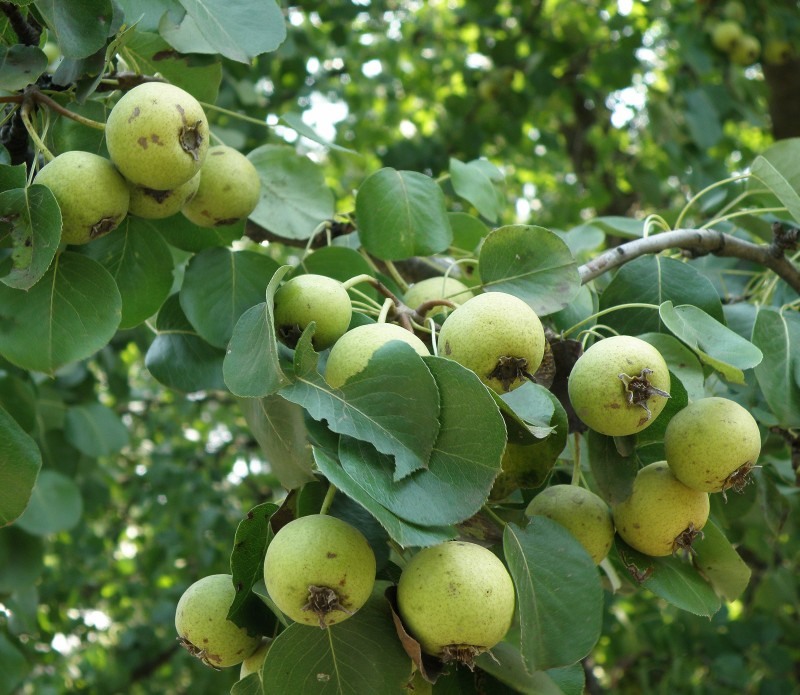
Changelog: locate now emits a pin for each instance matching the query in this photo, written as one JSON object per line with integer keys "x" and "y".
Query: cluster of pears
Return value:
{"x": 456, "y": 598}
{"x": 494, "y": 334}
{"x": 161, "y": 163}
{"x": 618, "y": 387}
{"x": 728, "y": 36}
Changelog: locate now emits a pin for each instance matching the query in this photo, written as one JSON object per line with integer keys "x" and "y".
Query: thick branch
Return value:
{"x": 697, "y": 242}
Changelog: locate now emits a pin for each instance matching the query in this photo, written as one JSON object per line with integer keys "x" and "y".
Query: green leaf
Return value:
{"x": 13, "y": 176}
{"x": 655, "y": 280}
{"x": 528, "y": 411}
{"x": 715, "y": 344}
{"x": 179, "y": 232}
{"x": 252, "y": 366}
{"x": 468, "y": 231}
{"x": 382, "y": 416}
{"x": 56, "y": 505}
{"x": 702, "y": 118}
{"x": 612, "y": 472}
{"x": 80, "y": 29}
{"x": 278, "y": 427}
{"x": 472, "y": 183}
{"x": 294, "y": 196}
{"x": 200, "y": 76}
{"x": 406, "y": 534}
{"x": 506, "y": 665}
{"x": 611, "y": 225}
{"x": 253, "y": 535}
{"x": 13, "y": 665}
{"x": 340, "y": 263}
{"x": 777, "y": 333}
{"x": 778, "y": 170}
{"x": 402, "y": 214}
{"x": 95, "y": 430}
{"x": 141, "y": 264}
{"x": 673, "y": 579}
{"x": 249, "y": 685}
{"x": 531, "y": 263}
{"x": 20, "y": 462}
{"x": 296, "y": 123}
{"x": 19, "y": 400}
{"x": 21, "y": 559}
{"x": 219, "y": 285}
{"x": 239, "y": 31}
{"x": 35, "y": 234}
{"x": 359, "y": 656}
{"x": 717, "y": 560}
{"x": 179, "y": 358}
{"x": 556, "y": 629}
{"x": 462, "y": 467}
{"x": 20, "y": 66}
{"x": 68, "y": 315}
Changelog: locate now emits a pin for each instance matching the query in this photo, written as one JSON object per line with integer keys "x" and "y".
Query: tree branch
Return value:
{"x": 698, "y": 242}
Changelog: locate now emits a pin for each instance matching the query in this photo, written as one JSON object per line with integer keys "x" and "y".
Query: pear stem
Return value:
{"x": 328, "y": 501}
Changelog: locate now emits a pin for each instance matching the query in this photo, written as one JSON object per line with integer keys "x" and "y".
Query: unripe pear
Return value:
{"x": 725, "y": 35}
{"x": 585, "y": 515}
{"x": 157, "y": 135}
{"x": 319, "y": 570}
{"x": 661, "y": 516}
{"x": 229, "y": 189}
{"x": 712, "y": 444}
{"x": 201, "y": 619}
{"x": 91, "y": 194}
{"x": 497, "y": 336}
{"x": 307, "y": 298}
{"x": 619, "y": 385}
{"x": 735, "y": 10}
{"x": 156, "y": 205}
{"x": 352, "y": 352}
{"x": 777, "y": 52}
{"x": 254, "y": 662}
{"x": 437, "y": 288}
{"x": 746, "y": 50}
{"x": 456, "y": 599}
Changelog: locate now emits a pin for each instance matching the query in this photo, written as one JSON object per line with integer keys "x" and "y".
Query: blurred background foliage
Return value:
{"x": 590, "y": 108}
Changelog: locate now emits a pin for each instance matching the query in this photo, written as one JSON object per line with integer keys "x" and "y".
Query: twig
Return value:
{"x": 26, "y": 32}
{"x": 698, "y": 242}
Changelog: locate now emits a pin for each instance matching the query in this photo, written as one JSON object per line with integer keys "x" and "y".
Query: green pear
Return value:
{"x": 254, "y": 662}
{"x": 307, "y": 298}
{"x": 456, "y": 599}
{"x": 746, "y": 50}
{"x": 725, "y": 35}
{"x": 319, "y": 570}
{"x": 712, "y": 444}
{"x": 585, "y": 515}
{"x": 157, "y": 135}
{"x": 619, "y": 386}
{"x": 201, "y": 619}
{"x": 352, "y": 352}
{"x": 156, "y": 205}
{"x": 497, "y": 336}
{"x": 229, "y": 189}
{"x": 437, "y": 288}
{"x": 661, "y": 515}
{"x": 91, "y": 194}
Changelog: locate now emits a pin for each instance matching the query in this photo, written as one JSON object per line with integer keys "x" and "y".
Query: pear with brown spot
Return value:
{"x": 201, "y": 619}
{"x": 157, "y": 135}
{"x": 319, "y": 570}
{"x": 229, "y": 189}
